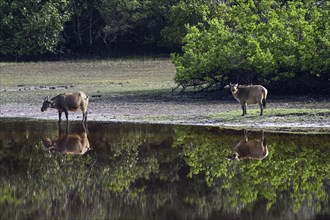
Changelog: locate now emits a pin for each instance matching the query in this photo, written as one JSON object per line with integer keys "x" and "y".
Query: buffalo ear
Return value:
{"x": 226, "y": 87}
{"x": 46, "y": 99}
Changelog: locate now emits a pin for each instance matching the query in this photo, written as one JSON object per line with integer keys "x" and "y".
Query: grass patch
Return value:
{"x": 35, "y": 80}
{"x": 280, "y": 115}
{"x": 137, "y": 72}
{"x": 294, "y": 112}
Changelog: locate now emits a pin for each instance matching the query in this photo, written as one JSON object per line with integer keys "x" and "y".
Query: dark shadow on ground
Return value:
{"x": 163, "y": 95}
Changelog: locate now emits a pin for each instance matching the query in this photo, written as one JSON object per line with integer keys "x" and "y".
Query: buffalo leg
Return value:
{"x": 59, "y": 117}
{"x": 243, "y": 110}
{"x": 84, "y": 120}
{"x": 85, "y": 117}
{"x": 67, "y": 117}
{"x": 261, "y": 109}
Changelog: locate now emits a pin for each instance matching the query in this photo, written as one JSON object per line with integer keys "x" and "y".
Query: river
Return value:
{"x": 153, "y": 171}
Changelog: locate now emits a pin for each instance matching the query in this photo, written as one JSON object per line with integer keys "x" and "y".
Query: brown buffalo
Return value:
{"x": 252, "y": 94}
{"x": 67, "y": 102}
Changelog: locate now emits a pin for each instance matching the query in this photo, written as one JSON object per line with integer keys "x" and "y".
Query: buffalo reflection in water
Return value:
{"x": 68, "y": 143}
{"x": 254, "y": 149}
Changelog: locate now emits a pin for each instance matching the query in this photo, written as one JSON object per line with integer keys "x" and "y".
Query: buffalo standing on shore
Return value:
{"x": 67, "y": 102}
{"x": 251, "y": 94}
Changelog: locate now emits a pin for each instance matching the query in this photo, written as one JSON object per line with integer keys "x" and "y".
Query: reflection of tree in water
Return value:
{"x": 118, "y": 168}
{"x": 295, "y": 174}
{"x": 165, "y": 172}
{"x": 131, "y": 152}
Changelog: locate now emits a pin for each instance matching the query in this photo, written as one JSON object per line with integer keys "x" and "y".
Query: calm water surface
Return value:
{"x": 139, "y": 171}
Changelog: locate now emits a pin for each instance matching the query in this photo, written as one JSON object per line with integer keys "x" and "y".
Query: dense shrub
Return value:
{"x": 30, "y": 27}
{"x": 284, "y": 45}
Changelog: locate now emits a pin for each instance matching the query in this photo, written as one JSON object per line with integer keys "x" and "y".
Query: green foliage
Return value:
{"x": 31, "y": 27}
{"x": 257, "y": 42}
{"x": 180, "y": 14}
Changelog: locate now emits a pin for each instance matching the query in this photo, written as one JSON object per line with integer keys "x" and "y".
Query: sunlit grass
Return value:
{"x": 20, "y": 80}
{"x": 273, "y": 115}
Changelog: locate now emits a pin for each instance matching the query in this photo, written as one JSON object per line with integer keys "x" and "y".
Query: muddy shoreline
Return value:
{"x": 185, "y": 111}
